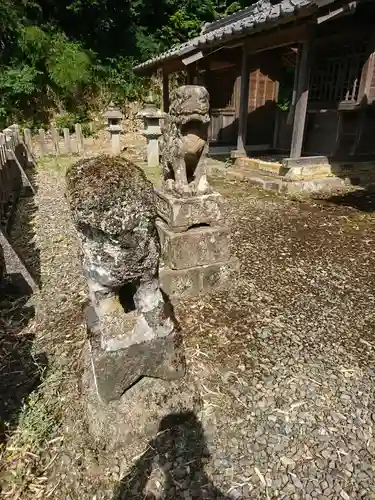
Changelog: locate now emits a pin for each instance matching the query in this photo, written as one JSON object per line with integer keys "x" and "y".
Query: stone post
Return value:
{"x": 195, "y": 241}
{"x": 151, "y": 116}
{"x": 114, "y": 117}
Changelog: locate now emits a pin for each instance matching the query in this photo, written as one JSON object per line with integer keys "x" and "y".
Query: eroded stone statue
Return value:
{"x": 132, "y": 330}
{"x": 184, "y": 142}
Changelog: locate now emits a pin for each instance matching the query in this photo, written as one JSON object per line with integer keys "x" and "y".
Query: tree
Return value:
{"x": 51, "y": 51}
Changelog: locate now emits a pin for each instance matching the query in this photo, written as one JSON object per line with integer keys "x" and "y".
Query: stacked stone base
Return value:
{"x": 195, "y": 244}
{"x": 136, "y": 416}
{"x": 118, "y": 361}
{"x": 176, "y": 283}
{"x": 305, "y": 175}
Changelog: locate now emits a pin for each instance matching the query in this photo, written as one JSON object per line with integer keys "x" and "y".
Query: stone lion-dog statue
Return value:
{"x": 184, "y": 144}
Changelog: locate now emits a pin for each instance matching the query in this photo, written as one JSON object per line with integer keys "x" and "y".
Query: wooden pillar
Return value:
{"x": 192, "y": 73}
{"x": 290, "y": 117}
{"x": 302, "y": 96}
{"x": 244, "y": 104}
{"x": 165, "y": 91}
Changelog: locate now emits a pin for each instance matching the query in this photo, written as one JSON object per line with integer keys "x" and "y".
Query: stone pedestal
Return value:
{"x": 180, "y": 214}
{"x": 195, "y": 244}
{"x": 153, "y": 154}
{"x": 121, "y": 353}
{"x": 115, "y": 131}
{"x": 135, "y": 417}
{"x": 114, "y": 117}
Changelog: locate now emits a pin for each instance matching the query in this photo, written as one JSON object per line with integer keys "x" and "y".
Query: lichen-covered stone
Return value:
{"x": 112, "y": 205}
{"x": 132, "y": 332}
{"x": 184, "y": 141}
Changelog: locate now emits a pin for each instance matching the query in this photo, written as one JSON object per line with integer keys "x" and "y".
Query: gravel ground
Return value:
{"x": 292, "y": 346}
{"x": 284, "y": 361}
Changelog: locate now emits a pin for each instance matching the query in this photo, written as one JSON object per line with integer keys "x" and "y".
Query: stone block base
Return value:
{"x": 190, "y": 282}
{"x": 116, "y": 368}
{"x": 256, "y": 163}
{"x": 182, "y": 213}
{"x": 198, "y": 246}
{"x": 307, "y": 178}
{"x": 136, "y": 416}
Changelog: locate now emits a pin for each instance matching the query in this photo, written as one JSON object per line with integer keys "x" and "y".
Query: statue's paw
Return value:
{"x": 182, "y": 190}
{"x": 169, "y": 185}
{"x": 202, "y": 186}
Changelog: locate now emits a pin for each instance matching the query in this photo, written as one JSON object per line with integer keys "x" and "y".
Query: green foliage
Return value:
{"x": 181, "y": 27}
{"x": 18, "y": 80}
{"x": 67, "y": 64}
{"x": 120, "y": 80}
{"x": 56, "y": 55}
{"x": 34, "y": 42}
{"x": 67, "y": 120}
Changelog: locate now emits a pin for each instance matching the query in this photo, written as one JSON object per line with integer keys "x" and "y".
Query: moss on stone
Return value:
{"x": 109, "y": 193}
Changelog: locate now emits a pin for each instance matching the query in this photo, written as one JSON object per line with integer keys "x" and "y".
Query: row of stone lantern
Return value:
{"x": 151, "y": 117}
{"x": 114, "y": 117}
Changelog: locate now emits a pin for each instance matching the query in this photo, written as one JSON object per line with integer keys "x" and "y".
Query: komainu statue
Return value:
{"x": 131, "y": 327}
{"x": 184, "y": 142}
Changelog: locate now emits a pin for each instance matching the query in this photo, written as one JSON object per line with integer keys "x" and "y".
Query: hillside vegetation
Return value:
{"x": 69, "y": 55}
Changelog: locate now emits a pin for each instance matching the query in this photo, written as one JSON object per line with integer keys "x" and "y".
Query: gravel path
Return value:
{"x": 291, "y": 347}
{"x": 284, "y": 361}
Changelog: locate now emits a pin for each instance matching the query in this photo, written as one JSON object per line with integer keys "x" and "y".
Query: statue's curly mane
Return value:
{"x": 189, "y": 103}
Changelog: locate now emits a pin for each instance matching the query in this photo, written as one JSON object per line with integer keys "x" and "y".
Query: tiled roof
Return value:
{"x": 240, "y": 23}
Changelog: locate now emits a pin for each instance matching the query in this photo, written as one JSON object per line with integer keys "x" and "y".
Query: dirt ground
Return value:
{"x": 284, "y": 361}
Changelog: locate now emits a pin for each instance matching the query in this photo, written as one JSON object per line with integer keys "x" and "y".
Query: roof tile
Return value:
{"x": 240, "y": 23}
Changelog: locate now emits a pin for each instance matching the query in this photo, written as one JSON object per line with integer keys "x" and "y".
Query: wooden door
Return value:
{"x": 265, "y": 71}
{"x": 222, "y": 86}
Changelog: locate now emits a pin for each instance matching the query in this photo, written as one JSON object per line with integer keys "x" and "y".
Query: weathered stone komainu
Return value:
{"x": 184, "y": 141}
{"x": 132, "y": 333}
{"x": 195, "y": 241}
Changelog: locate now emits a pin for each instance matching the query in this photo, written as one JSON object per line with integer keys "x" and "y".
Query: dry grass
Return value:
{"x": 54, "y": 333}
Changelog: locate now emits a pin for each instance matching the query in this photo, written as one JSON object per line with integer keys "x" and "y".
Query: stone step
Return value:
{"x": 268, "y": 166}
{"x": 256, "y": 178}
{"x": 262, "y": 179}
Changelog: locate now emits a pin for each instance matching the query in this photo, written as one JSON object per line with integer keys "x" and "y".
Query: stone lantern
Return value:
{"x": 151, "y": 116}
{"x": 114, "y": 117}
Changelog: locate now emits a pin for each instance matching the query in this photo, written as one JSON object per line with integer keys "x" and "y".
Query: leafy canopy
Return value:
{"x": 56, "y": 54}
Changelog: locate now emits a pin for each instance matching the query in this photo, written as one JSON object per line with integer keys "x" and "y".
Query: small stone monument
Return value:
{"x": 195, "y": 241}
{"x": 131, "y": 327}
{"x": 151, "y": 116}
{"x": 114, "y": 117}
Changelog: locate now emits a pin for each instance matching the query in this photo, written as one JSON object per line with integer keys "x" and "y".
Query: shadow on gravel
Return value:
{"x": 20, "y": 370}
{"x": 363, "y": 200}
{"x": 173, "y": 465}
